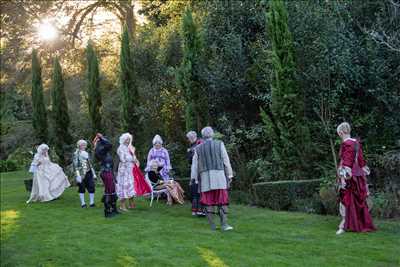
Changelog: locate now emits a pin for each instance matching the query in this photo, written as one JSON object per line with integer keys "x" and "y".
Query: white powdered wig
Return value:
{"x": 153, "y": 165}
{"x": 192, "y": 135}
{"x": 344, "y": 127}
{"x": 81, "y": 142}
{"x": 42, "y": 148}
{"x": 124, "y": 137}
{"x": 207, "y": 132}
{"x": 157, "y": 140}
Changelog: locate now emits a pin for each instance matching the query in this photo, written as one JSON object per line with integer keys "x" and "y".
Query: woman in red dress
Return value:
{"x": 352, "y": 173}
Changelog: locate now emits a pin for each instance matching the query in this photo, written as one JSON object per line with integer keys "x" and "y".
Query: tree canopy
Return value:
{"x": 309, "y": 68}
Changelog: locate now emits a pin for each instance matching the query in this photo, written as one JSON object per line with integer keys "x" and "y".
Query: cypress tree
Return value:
{"x": 39, "y": 115}
{"x": 189, "y": 76}
{"x": 60, "y": 112}
{"x": 93, "y": 90}
{"x": 129, "y": 89}
{"x": 285, "y": 120}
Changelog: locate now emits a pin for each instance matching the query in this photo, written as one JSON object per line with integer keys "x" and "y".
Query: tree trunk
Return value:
{"x": 130, "y": 18}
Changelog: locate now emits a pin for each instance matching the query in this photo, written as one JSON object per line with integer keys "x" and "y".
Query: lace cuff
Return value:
{"x": 366, "y": 170}
{"x": 344, "y": 172}
{"x": 33, "y": 168}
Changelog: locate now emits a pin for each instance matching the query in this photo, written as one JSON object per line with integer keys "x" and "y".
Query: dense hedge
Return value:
{"x": 8, "y": 165}
{"x": 384, "y": 184}
{"x": 284, "y": 195}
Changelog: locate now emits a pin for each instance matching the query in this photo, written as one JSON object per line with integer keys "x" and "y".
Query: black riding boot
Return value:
{"x": 114, "y": 209}
{"x": 107, "y": 206}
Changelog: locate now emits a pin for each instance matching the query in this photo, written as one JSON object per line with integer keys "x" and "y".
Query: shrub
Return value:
{"x": 282, "y": 195}
{"x": 17, "y": 134}
{"x": 244, "y": 149}
{"x": 262, "y": 168}
{"x": 385, "y": 179}
{"x": 308, "y": 205}
{"x": 70, "y": 173}
{"x": 328, "y": 197}
{"x": 241, "y": 197}
{"x": 180, "y": 165}
{"x": 22, "y": 157}
{"x": 385, "y": 205}
{"x": 8, "y": 165}
{"x": 385, "y": 169}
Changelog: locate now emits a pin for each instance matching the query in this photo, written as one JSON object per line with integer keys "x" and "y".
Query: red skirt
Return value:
{"x": 214, "y": 197}
{"x": 358, "y": 218}
{"x": 140, "y": 184}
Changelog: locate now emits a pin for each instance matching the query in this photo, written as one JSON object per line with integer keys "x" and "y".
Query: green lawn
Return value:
{"x": 60, "y": 233}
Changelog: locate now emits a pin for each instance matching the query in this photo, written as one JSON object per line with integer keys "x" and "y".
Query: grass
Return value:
{"x": 60, "y": 233}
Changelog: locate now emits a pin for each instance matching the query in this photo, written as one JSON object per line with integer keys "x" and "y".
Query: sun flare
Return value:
{"x": 47, "y": 31}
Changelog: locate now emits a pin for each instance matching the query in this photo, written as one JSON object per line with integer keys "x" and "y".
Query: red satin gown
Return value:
{"x": 354, "y": 196}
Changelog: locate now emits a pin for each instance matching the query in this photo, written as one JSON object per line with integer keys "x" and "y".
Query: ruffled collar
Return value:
{"x": 349, "y": 138}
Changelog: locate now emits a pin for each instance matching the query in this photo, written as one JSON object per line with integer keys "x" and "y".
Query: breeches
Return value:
{"x": 108, "y": 181}
{"x": 87, "y": 183}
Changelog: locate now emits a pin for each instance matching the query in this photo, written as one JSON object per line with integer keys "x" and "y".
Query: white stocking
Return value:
{"x": 82, "y": 197}
{"x": 91, "y": 197}
{"x": 342, "y": 210}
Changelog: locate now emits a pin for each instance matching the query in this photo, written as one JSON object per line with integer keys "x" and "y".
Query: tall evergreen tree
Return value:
{"x": 129, "y": 89}
{"x": 39, "y": 115}
{"x": 60, "y": 112}
{"x": 285, "y": 117}
{"x": 189, "y": 76}
{"x": 93, "y": 90}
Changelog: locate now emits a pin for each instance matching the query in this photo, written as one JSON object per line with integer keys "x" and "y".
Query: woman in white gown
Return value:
{"x": 49, "y": 180}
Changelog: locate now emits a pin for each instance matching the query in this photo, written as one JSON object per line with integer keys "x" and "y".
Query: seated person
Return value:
{"x": 154, "y": 173}
{"x": 159, "y": 155}
{"x": 174, "y": 190}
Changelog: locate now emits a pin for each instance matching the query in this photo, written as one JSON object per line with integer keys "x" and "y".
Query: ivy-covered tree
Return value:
{"x": 189, "y": 75}
{"x": 61, "y": 118}
{"x": 39, "y": 115}
{"x": 129, "y": 88}
{"x": 285, "y": 117}
{"x": 93, "y": 90}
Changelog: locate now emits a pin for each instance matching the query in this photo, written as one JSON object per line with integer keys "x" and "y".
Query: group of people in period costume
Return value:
{"x": 211, "y": 176}
{"x": 49, "y": 180}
